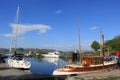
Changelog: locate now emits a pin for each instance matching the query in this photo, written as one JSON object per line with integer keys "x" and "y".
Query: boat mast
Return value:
{"x": 16, "y": 24}
{"x": 102, "y": 45}
{"x": 79, "y": 45}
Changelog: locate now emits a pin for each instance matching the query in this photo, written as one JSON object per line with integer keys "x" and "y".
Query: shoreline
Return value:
{"x": 112, "y": 74}
{"x": 7, "y": 73}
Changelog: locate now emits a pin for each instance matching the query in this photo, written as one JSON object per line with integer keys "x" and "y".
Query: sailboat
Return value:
{"x": 17, "y": 60}
{"x": 88, "y": 63}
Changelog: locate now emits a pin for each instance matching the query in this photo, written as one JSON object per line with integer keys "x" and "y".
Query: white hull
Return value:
{"x": 21, "y": 64}
{"x": 54, "y": 54}
{"x": 65, "y": 73}
{"x": 50, "y": 56}
{"x": 70, "y": 73}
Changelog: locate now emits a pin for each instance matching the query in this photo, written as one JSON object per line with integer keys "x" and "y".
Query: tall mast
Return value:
{"x": 79, "y": 45}
{"x": 102, "y": 45}
{"x": 16, "y": 24}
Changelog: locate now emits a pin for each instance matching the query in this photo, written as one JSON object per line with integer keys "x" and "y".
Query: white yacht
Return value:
{"x": 54, "y": 54}
{"x": 17, "y": 60}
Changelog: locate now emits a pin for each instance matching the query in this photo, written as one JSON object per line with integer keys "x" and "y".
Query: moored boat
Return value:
{"x": 88, "y": 63}
{"x": 17, "y": 60}
{"x": 54, "y": 54}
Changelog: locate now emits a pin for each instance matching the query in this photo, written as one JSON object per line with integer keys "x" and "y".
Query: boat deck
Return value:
{"x": 105, "y": 63}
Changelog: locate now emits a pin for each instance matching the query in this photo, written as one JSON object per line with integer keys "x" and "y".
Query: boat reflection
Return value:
{"x": 52, "y": 60}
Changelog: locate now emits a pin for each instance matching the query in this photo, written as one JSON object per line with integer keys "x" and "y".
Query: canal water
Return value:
{"x": 45, "y": 65}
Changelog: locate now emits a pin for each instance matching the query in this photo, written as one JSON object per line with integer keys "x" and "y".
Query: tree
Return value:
{"x": 114, "y": 44}
{"x": 95, "y": 45}
{"x": 20, "y": 49}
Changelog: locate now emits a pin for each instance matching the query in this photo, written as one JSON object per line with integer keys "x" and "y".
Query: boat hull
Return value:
{"x": 19, "y": 64}
{"x": 73, "y": 69}
{"x": 50, "y": 56}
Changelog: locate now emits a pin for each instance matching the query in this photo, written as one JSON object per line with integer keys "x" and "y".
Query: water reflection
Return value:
{"x": 46, "y": 65}
{"x": 51, "y": 60}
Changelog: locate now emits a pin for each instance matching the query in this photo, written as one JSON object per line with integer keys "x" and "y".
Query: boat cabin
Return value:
{"x": 92, "y": 60}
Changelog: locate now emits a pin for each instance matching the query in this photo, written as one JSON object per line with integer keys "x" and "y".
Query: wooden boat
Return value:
{"x": 87, "y": 63}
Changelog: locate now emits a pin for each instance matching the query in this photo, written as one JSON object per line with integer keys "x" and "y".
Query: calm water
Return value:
{"x": 45, "y": 65}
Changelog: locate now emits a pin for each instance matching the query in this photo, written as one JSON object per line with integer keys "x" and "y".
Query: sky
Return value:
{"x": 53, "y": 24}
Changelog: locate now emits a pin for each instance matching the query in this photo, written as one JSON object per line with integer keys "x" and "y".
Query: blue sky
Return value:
{"x": 53, "y": 24}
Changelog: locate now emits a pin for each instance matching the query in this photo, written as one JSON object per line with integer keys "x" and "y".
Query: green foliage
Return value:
{"x": 20, "y": 50}
{"x": 97, "y": 53}
{"x": 41, "y": 52}
{"x": 113, "y": 44}
{"x": 2, "y": 50}
{"x": 95, "y": 45}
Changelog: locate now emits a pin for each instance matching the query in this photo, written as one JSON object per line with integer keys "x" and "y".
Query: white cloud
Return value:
{"x": 58, "y": 11}
{"x": 24, "y": 28}
{"x": 93, "y": 28}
